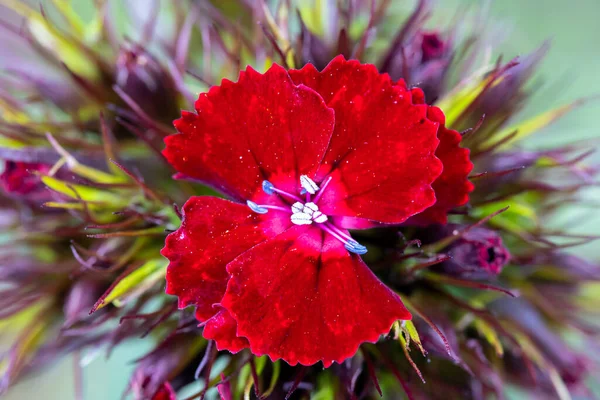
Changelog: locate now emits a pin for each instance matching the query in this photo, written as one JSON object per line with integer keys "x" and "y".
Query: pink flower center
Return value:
{"x": 305, "y": 211}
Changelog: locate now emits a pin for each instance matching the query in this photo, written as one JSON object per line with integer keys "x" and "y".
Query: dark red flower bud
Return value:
{"x": 153, "y": 372}
{"x": 478, "y": 253}
{"x": 165, "y": 392}
{"x": 142, "y": 78}
{"x": 19, "y": 178}
{"x": 423, "y": 62}
{"x": 432, "y": 46}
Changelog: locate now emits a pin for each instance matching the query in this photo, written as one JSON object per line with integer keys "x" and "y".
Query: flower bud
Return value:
{"x": 479, "y": 253}
{"x": 143, "y": 79}
{"x": 423, "y": 62}
{"x": 151, "y": 377}
{"x": 19, "y": 178}
{"x": 432, "y": 46}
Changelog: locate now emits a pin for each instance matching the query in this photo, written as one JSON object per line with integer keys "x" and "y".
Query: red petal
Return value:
{"x": 381, "y": 155}
{"x": 213, "y": 232}
{"x": 303, "y": 298}
{"x": 262, "y": 127}
{"x": 452, "y": 187}
{"x": 165, "y": 392}
{"x": 222, "y": 328}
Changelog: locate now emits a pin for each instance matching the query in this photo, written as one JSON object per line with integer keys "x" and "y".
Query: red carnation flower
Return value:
{"x": 306, "y": 155}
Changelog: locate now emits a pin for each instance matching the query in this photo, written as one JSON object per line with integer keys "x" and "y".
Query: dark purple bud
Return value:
{"x": 478, "y": 253}
{"x": 19, "y": 178}
{"x": 423, "y": 61}
{"x": 146, "y": 82}
{"x": 432, "y": 46}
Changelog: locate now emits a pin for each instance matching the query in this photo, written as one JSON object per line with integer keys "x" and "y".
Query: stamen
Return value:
{"x": 340, "y": 232}
{"x": 319, "y": 217}
{"x": 301, "y": 219}
{"x": 310, "y": 208}
{"x": 269, "y": 189}
{"x": 323, "y": 186}
{"x": 263, "y": 209}
{"x": 256, "y": 208}
{"x": 297, "y": 207}
{"x": 308, "y": 184}
{"x": 350, "y": 245}
{"x": 355, "y": 247}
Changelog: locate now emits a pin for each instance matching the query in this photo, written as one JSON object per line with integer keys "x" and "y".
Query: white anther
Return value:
{"x": 308, "y": 184}
{"x": 305, "y": 214}
{"x": 319, "y": 217}
{"x": 310, "y": 208}
{"x": 297, "y": 207}
{"x": 301, "y": 219}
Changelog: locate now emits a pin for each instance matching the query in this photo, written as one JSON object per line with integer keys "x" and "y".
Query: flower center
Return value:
{"x": 306, "y": 211}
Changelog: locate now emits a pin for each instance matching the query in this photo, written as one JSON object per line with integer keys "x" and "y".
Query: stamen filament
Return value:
{"x": 350, "y": 245}
{"x": 268, "y": 188}
{"x": 340, "y": 232}
{"x": 328, "y": 229}
{"x": 284, "y": 193}
{"x": 320, "y": 193}
{"x": 264, "y": 208}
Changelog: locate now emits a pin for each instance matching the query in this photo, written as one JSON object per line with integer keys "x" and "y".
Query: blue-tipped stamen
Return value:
{"x": 256, "y": 208}
{"x": 268, "y": 187}
{"x": 355, "y": 247}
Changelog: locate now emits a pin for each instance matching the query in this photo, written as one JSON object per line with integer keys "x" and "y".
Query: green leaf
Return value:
{"x": 457, "y": 101}
{"x": 64, "y": 48}
{"x": 409, "y": 329}
{"x": 532, "y": 125}
{"x": 84, "y": 193}
{"x": 325, "y": 387}
{"x": 519, "y": 218}
{"x": 141, "y": 278}
{"x": 489, "y": 333}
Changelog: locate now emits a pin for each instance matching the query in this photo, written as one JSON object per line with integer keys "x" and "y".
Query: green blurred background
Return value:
{"x": 569, "y": 71}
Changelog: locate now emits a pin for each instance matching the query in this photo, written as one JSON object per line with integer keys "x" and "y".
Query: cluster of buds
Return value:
{"x": 87, "y": 199}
